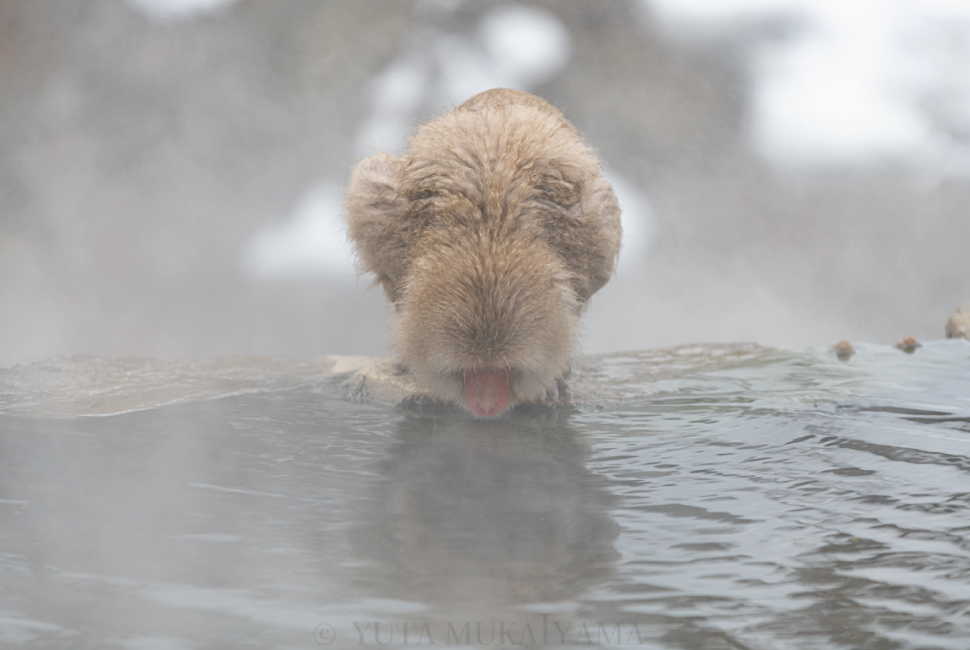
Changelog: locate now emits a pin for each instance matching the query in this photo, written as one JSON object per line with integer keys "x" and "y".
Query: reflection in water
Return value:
{"x": 706, "y": 499}
{"x": 484, "y": 512}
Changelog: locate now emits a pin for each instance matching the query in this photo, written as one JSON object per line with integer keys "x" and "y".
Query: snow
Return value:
{"x": 179, "y": 9}
{"x": 310, "y": 242}
{"x": 637, "y": 218}
{"x": 512, "y": 46}
{"x": 524, "y": 45}
{"x": 857, "y": 83}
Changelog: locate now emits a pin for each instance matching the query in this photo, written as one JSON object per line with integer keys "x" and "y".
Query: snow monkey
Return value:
{"x": 489, "y": 236}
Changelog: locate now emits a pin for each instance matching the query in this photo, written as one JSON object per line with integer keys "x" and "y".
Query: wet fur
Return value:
{"x": 489, "y": 235}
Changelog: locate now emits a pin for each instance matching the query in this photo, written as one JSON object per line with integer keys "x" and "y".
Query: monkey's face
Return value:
{"x": 487, "y": 323}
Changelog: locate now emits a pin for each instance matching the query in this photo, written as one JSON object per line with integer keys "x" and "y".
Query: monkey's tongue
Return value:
{"x": 487, "y": 391}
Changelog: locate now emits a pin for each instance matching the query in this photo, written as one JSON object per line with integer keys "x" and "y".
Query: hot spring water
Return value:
{"x": 701, "y": 497}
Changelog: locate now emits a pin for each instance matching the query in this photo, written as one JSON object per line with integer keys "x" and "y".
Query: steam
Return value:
{"x": 512, "y": 47}
{"x": 165, "y": 10}
{"x": 848, "y": 83}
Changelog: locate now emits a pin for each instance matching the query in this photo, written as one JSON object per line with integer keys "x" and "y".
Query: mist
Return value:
{"x": 172, "y": 173}
{"x": 198, "y": 449}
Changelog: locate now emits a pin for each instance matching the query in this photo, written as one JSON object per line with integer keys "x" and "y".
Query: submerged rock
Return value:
{"x": 959, "y": 324}
{"x": 77, "y": 386}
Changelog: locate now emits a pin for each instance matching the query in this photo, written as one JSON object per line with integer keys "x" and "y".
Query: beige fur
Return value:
{"x": 489, "y": 236}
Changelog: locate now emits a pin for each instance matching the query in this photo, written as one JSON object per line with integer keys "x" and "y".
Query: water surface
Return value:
{"x": 702, "y": 497}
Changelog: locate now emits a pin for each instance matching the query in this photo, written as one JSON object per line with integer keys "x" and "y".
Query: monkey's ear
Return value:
{"x": 601, "y": 212}
{"x": 375, "y": 210}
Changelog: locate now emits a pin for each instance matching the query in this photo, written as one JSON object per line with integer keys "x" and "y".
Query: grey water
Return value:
{"x": 697, "y": 498}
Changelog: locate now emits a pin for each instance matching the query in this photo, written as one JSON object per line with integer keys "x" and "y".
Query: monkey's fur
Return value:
{"x": 489, "y": 236}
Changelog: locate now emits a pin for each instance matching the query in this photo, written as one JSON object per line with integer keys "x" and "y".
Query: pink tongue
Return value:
{"x": 487, "y": 391}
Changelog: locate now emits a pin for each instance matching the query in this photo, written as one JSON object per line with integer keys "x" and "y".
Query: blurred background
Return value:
{"x": 792, "y": 172}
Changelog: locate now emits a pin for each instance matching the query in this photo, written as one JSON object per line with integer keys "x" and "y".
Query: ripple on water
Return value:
{"x": 698, "y": 497}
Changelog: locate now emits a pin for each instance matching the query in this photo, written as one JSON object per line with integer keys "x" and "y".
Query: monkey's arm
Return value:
{"x": 375, "y": 212}
{"x": 601, "y": 212}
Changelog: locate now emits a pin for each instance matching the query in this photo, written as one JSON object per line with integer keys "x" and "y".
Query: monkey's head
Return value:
{"x": 489, "y": 236}
{"x": 486, "y": 326}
